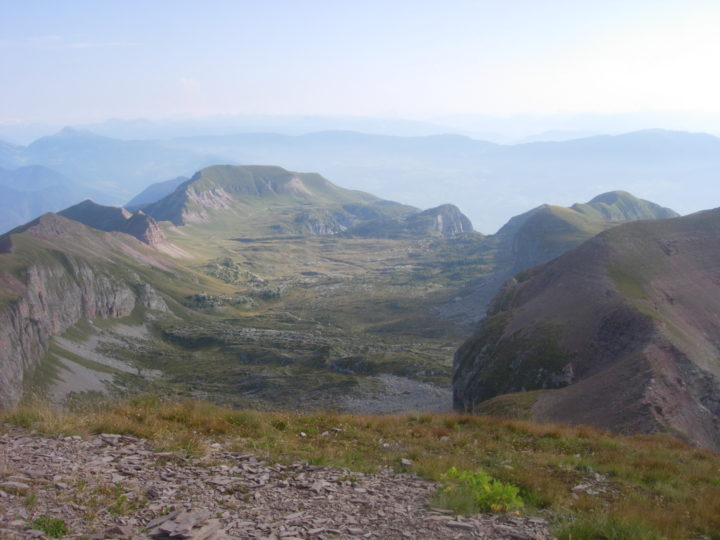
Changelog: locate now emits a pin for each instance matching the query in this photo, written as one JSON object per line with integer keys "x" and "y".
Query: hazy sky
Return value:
{"x": 73, "y": 61}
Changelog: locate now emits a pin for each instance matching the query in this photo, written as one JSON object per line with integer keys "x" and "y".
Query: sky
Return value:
{"x": 87, "y": 61}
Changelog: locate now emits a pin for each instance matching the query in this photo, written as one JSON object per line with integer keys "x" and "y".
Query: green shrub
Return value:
{"x": 477, "y": 491}
{"x": 53, "y": 527}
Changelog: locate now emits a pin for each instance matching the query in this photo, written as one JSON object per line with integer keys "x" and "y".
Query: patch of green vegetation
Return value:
{"x": 629, "y": 283}
{"x": 516, "y": 406}
{"x": 470, "y": 492}
{"x": 574, "y": 223}
{"x": 53, "y": 527}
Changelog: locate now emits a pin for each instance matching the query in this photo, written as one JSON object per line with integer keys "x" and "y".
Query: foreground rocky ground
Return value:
{"x": 113, "y": 486}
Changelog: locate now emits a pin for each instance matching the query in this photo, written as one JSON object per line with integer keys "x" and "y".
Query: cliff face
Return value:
{"x": 53, "y": 292}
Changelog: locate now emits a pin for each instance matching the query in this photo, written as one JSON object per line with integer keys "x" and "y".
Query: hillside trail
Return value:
{"x": 117, "y": 486}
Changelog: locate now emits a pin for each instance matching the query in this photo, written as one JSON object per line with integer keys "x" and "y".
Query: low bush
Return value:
{"x": 53, "y": 527}
{"x": 477, "y": 491}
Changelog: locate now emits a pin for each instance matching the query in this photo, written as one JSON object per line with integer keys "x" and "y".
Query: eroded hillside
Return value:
{"x": 624, "y": 327}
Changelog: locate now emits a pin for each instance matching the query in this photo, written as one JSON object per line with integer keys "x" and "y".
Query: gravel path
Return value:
{"x": 113, "y": 486}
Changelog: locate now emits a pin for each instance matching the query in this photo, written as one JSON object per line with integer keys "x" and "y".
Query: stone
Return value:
{"x": 190, "y": 498}
{"x": 18, "y": 488}
{"x": 460, "y": 525}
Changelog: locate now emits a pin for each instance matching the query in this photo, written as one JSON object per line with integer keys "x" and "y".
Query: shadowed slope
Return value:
{"x": 625, "y": 325}
{"x": 115, "y": 218}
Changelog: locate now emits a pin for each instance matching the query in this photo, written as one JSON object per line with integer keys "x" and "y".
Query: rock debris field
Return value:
{"x": 113, "y": 486}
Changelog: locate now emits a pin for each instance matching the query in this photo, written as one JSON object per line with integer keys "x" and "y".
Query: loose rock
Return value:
{"x": 113, "y": 486}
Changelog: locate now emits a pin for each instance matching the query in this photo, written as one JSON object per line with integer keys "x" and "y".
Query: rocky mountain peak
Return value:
{"x": 114, "y": 218}
{"x": 448, "y": 220}
{"x": 97, "y": 216}
{"x": 145, "y": 229}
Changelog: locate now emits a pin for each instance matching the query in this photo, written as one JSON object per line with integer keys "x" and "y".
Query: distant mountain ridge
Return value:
{"x": 114, "y": 167}
{"x": 30, "y": 191}
{"x": 677, "y": 168}
{"x": 622, "y": 206}
{"x": 155, "y": 192}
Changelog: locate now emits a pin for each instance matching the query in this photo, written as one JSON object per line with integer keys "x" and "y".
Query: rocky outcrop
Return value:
{"x": 117, "y": 219}
{"x": 145, "y": 229}
{"x": 199, "y": 203}
{"x": 621, "y": 333}
{"x": 323, "y": 222}
{"x": 446, "y": 219}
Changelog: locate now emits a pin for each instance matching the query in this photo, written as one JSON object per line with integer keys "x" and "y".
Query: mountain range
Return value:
{"x": 420, "y": 171}
{"x": 678, "y": 168}
{"x": 27, "y": 192}
{"x": 115, "y": 168}
{"x": 286, "y": 289}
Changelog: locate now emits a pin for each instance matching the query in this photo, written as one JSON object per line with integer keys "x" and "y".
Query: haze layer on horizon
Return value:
{"x": 80, "y": 62}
